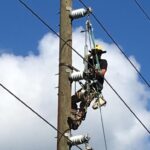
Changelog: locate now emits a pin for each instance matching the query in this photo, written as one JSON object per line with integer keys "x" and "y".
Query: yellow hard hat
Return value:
{"x": 99, "y": 48}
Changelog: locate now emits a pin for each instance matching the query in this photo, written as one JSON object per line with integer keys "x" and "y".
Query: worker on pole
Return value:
{"x": 92, "y": 88}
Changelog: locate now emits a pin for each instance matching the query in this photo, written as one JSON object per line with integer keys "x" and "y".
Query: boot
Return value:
{"x": 75, "y": 119}
{"x": 99, "y": 102}
{"x": 73, "y": 124}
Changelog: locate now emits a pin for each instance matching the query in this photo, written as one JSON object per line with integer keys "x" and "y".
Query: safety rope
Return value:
{"x": 75, "y": 87}
{"x": 88, "y": 28}
{"x": 102, "y": 123}
{"x": 86, "y": 49}
{"x": 91, "y": 35}
{"x": 93, "y": 41}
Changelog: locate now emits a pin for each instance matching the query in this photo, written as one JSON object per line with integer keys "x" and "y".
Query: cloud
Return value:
{"x": 33, "y": 79}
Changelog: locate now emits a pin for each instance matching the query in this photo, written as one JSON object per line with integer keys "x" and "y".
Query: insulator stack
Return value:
{"x": 78, "y": 13}
{"x": 79, "y": 139}
{"x": 76, "y": 76}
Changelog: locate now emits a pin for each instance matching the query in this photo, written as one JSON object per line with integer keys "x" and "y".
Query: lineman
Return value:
{"x": 92, "y": 88}
{"x": 100, "y": 68}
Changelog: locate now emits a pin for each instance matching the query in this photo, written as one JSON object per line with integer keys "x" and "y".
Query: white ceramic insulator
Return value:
{"x": 78, "y": 13}
{"x": 76, "y": 76}
{"x": 79, "y": 139}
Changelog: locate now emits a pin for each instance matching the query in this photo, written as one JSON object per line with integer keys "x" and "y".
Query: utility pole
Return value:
{"x": 65, "y": 57}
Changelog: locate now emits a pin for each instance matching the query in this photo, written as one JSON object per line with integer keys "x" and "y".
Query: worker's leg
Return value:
{"x": 74, "y": 101}
{"x": 77, "y": 98}
{"x": 75, "y": 120}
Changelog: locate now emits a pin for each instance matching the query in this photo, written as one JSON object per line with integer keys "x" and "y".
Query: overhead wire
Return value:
{"x": 103, "y": 128}
{"x": 144, "y": 126}
{"x": 114, "y": 41}
{"x": 25, "y": 5}
{"x": 51, "y": 29}
{"x": 142, "y": 9}
{"x": 36, "y": 113}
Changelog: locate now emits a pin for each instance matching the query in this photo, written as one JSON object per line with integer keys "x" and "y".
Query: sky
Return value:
{"x": 28, "y": 52}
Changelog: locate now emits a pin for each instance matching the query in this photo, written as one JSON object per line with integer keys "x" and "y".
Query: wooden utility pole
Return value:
{"x": 65, "y": 57}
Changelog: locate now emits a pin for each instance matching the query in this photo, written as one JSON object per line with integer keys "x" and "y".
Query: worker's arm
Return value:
{"x": 103, "y": 71}
{"x": 100, "y": 72}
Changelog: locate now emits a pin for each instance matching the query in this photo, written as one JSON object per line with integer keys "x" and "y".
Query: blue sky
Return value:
{"x": 22, "y": 34}
{"x": 20, "y": 31}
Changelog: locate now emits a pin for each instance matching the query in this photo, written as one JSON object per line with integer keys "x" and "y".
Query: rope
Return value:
{"x": 75, "y": 87}
{"x": 85, "y": 49}
{"x": 102, "y": 123}
{"x": 90, "y": 42}
{"x": 92, "y": 37}
{"x": 93, "y": 40}
{"x": 88, "y": 26}
{"x": 97, "y": 62}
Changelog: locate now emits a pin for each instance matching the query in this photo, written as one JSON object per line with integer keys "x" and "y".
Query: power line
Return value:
{"x": 128, "y": 107}
{"x": 32, "y": 110}
{"x": 142, "y": 9}
{"x": 102, "y": 122}
{"x": 86, "y": 61}
{"x": 51, "y": 29}
{"x": 114, "y": 41}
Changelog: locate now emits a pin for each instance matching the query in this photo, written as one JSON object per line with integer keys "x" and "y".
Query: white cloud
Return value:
{"x": 33, "y": 79}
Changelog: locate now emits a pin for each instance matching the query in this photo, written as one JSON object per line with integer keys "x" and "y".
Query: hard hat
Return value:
{"x": 99, "y": 48}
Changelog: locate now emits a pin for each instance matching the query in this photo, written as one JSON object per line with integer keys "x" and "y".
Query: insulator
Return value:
{"x": 76, "y": 76}
{"x": 78, "y": 13}
{"x": 79, "y": 139}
